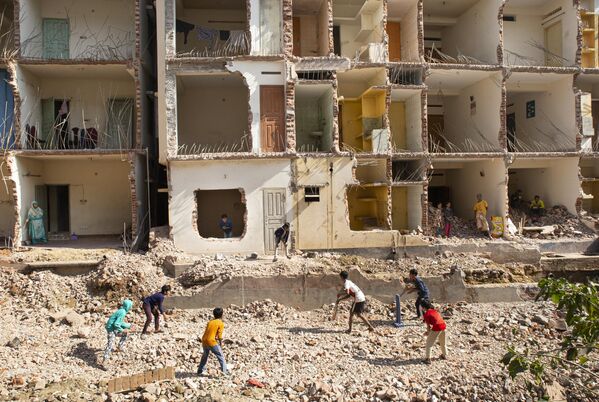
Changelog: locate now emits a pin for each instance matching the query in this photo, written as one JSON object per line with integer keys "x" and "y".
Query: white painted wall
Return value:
{"x": 460, "y": 124}
{"x": 481, "y": 22}
{"x": 99, "y": 193}
{"x": 409, "y": 35}
{"x": 486, "y": 177}
{"x": 528, "y": 28}
{"x": 325, "y": 224}
{"x": 250, "y": 175}
{"x": 414, "y": 122}
{"x": 555, "y": 115}
{"x": 253, "y": 73}
{"x": 29, "y": 92}
{"x": 266, "y": 27}
{"x": 98, "y": 29}
{"x": 554, "y": 180}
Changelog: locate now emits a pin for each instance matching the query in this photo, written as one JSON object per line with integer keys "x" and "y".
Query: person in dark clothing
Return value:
{"x": 152, "y": 306}
{"x": 418, "y": 286}
{"x": 226, "y": 226}
{"x": 282, "y": 236}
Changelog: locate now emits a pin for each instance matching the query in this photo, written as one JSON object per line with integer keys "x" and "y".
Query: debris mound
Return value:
{"x": 565, "y": 224}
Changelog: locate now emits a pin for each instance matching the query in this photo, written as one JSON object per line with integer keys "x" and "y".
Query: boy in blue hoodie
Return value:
{"x": 116, "y": 325}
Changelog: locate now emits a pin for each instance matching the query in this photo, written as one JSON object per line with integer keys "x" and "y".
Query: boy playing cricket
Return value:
{"x": 212, "y": 341}
{"x": 435, "y": 330}
{"x": 359, "y": 304}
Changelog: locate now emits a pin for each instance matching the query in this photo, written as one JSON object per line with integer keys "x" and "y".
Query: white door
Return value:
{"x": 274, "y": 216}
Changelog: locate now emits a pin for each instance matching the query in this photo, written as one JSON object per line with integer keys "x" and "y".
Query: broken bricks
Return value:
{"x": 131, "y": 382}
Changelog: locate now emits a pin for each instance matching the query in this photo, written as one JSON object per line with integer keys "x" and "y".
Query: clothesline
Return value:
{"x": 207, "y": 33}
{"x": 220, "y": 41}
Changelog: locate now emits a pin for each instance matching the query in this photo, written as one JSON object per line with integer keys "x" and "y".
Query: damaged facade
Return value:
{"x": 77, "y": 127}
{"x": 348, "y": 118}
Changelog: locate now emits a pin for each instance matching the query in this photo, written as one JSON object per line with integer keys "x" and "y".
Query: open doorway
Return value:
{"x": 54, "y": 201}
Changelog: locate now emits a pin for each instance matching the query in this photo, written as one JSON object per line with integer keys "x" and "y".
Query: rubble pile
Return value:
{"x": 564, "y": 224}
{"x": 294, "y": 355}
{"x": 131, "y": 276}
{"x": 460, "y": 228}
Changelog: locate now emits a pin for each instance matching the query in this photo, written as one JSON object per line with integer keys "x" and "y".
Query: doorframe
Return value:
{"x": 283, "y": 119}
{"x": 285, "y": 213}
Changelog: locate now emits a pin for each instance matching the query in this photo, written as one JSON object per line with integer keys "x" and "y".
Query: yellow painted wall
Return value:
{"x": 399, "y": 205}
{"x": 351, "y": 123}
{"x": 591, "y": 205}
{"x": 397, "y": 120}
{"x": 367, "y": 202}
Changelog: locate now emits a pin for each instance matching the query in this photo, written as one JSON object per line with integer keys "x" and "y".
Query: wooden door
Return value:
{"x": 553, "y": 43}
{"x": 436, "y": 127}
{"x": 55, "y": 38}
{"x": 274, "y": 216}
{"x": 510, "y": 126}
{"x": 297, "y": 47}
{"x": 272, "y": 118}
{"x": 394, "y": 33}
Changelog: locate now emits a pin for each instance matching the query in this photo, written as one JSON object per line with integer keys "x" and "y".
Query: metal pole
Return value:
{"x": 398, "y": 322}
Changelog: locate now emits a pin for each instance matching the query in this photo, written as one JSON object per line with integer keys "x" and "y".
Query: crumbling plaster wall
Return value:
{"x": 250, "y": 175}
{"x": 28, "y": 108}
{"x": 266, "y": 27}
{"x": 480, "y": 22}
{"x": 7, "y": 202}
{"x": 325, "y": 224}
{"x": 98, "y": 30}
{"x": 414, "y": 123}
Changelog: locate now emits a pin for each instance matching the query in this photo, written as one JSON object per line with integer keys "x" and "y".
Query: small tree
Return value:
{"x": 580, "y": 304}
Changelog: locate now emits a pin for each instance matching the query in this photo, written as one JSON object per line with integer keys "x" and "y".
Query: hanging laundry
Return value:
{"x": 206, "y": 33}
{"x": 224, "y": 35}
{"x": 185, "y": 28}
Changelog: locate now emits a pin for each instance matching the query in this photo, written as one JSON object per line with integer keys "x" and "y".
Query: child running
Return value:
{"x": 116, "y": 325}
{"x": 358, "y": 306}
{"x": 435, "y": 330}
{"x": 212, "y": 341}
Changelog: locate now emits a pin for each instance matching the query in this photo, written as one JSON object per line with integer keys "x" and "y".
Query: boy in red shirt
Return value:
{"x": 435, "y": 330}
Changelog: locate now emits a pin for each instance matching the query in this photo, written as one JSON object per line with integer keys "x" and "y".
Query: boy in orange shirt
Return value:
{"x": 212, "y": 341}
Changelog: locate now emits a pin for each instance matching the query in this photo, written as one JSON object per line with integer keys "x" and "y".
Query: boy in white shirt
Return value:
{"x": 359, "y": 304}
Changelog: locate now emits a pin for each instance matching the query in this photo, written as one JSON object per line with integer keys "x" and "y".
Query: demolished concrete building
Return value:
{"x": 77, "y": 112}
{"x": 347, "y": 118}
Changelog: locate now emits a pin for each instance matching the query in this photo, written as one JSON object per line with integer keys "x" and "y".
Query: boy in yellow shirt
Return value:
{"x": 212, "y": 341}
{"x": 480, "y": 215}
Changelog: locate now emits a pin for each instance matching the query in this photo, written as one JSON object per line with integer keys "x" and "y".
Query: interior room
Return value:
{"x": 311, "y": 28}
{"x": 540, "y": 33}
{"x": 540, "y": 115}
{"x": 402, "y": 31}
{"x": 212, "y": 204}
{"x": 358, "y": 30}
{"x": 212, "y": 29}
{"x": 589, "y": 170}
{"x": 7, "y": 206}
{"x": 409, "y": 170}
{"x": 80, "y": 195}
{"x": 459, "y": 181}
{"x": 66, "y": 29}
{"x": 590, "y": 29}
{"x": 588, "y": 84}
{"x": 450, "y": 26}
{"x": 371, "y": 170}
{"x": 406, "y": 207}
{"x": 464, "y": 109}
{"x": 314, "y": 117}
{"x": 221, "y": 103}
{"x": 368, "y": 207}
{"x": 554, "y": 180}
{"x": 405, "y": 120}
{"x": 362, "y": 107}
{"x": 76, "y": 106}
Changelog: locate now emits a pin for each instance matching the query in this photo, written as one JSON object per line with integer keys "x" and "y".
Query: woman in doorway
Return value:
{"x": 35, "y": 222}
